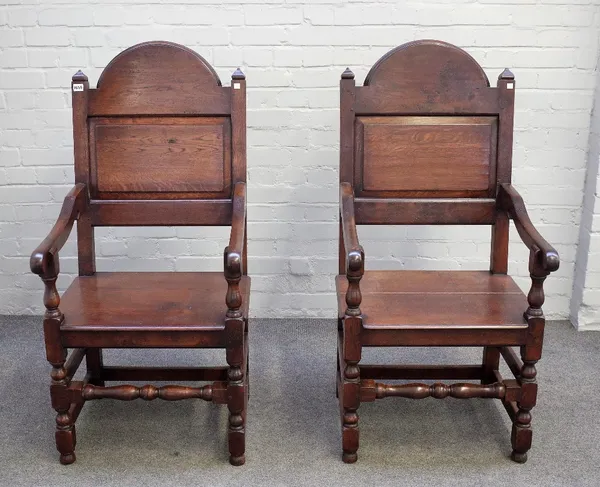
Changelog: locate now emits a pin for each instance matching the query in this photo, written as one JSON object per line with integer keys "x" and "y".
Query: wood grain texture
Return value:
{"x": 44, "y": 259}
{"x": 159, "y": 78}
{"x": 159, "y": 142}
{"x": 426, "y": 156}
{"x": 376, "y": 390}
{"x": 161, "y": 155}
{"x": 425, "y": 141}
{"x": 85, "y": 232}
{"x": 153, "y": 301}
{"x": 432, "y": 144}
{"x": 347, "y": 101}
{"x": 159, "y": 213}
{"x": 426, "y": 76}
{"x": 431, "y": 65}
{"x": 425, "y": 211}
{"x": 147, "y": 393}
{"x": 376, "y": 100}
{"x": 511, "y": 201}
{"x": 397, "y": 299}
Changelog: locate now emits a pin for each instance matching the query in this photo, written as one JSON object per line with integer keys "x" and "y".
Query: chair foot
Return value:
{"x": 350, "y": 438}
{"x": 349, "y": 457}
{"x": 65, "y": 437}
{"x": 518, "y": 457}
{"x": 237, "y": 461}
{"x": 67, "y": 459}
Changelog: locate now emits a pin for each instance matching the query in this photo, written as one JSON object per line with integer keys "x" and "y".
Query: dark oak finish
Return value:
{"x": 147, "y": 301}
{"x": 443, "y": 155}
{"x": 427, "y": 141}
{"x": 371, "y": 390}
{"x": 182, "y": 157}
{"x": 158, "y": 142}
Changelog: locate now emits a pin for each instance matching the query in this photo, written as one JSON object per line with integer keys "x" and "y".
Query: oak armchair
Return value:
{"x": 158, "y": 142}
{"x": 427, "y": 141}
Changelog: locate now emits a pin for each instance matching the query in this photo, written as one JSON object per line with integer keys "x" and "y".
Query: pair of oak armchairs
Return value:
{"x": 425, "y": 141}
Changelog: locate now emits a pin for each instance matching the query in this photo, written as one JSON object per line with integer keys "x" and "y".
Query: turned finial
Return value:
{"x": 506, "y": 74}
{"x": 238, "y": 74}
{"x": 347, "y": 74}
{"x": 79, "y": 77}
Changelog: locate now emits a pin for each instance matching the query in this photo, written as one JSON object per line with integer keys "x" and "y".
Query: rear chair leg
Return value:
{"x": 490, "y": 363}
{"x": 94, "y": 363}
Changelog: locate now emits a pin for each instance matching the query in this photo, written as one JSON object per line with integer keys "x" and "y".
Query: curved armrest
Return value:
{"x": 355, "y": 255}
{"x": 512, "y": 202}
{"x": 44, "y": 261}
{"x": 234, "y": 251}
{"x": 354, "y": 251}
{"x": 233, "y": 255}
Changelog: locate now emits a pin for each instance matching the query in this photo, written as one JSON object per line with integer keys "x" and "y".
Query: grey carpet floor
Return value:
{"x": 293, "y": 434}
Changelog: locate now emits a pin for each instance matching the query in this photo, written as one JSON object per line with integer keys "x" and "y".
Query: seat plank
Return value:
{"x": 437, "y": 299}
{"x": 148, "y": 301}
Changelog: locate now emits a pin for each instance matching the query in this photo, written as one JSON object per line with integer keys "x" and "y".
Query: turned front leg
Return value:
{"x": 236, "y": 386}
{"x": 531, "y": 352}
{"x": 236, "y": 392}
{"x": 522, "y": 433}
{"x": 350, "y": 388}
{"x": 59, "y": 387}
{"x": 351, "y": 350}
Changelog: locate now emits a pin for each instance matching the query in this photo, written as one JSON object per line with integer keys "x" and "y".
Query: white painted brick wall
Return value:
{"x": 585, "y": 303}
{"x": 293, "y": 53}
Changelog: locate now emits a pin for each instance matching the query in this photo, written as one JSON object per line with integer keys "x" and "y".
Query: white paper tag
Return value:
{"x": 78, "y": 87}
{"x": 237, "y": 86}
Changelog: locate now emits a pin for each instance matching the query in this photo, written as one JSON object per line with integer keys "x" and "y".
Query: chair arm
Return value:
{"x": 44, "y": 259}
{"x": 355, "y": 255}
{"x": 234, "y": 252}
{"x": 354, "y": 251}
{"x": 511, "y": 201}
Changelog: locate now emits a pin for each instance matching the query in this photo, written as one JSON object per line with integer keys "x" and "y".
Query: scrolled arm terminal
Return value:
{"x": 44, "y": 259}
{"x": 233, "y": 255}
{"x": 511, "y": 201}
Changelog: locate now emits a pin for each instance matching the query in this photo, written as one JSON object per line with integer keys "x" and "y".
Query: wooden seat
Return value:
{"x": 159, "y": 142}
{"x": 427, "y": 141}
{"x": 148, "y": 301}
{"x": 463, "y": 299}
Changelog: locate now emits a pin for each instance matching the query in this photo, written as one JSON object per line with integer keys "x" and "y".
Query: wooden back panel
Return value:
{"x": 431, "y": 156}
{"x": 159, "y": 142}
{"x": 426, "y": 140}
